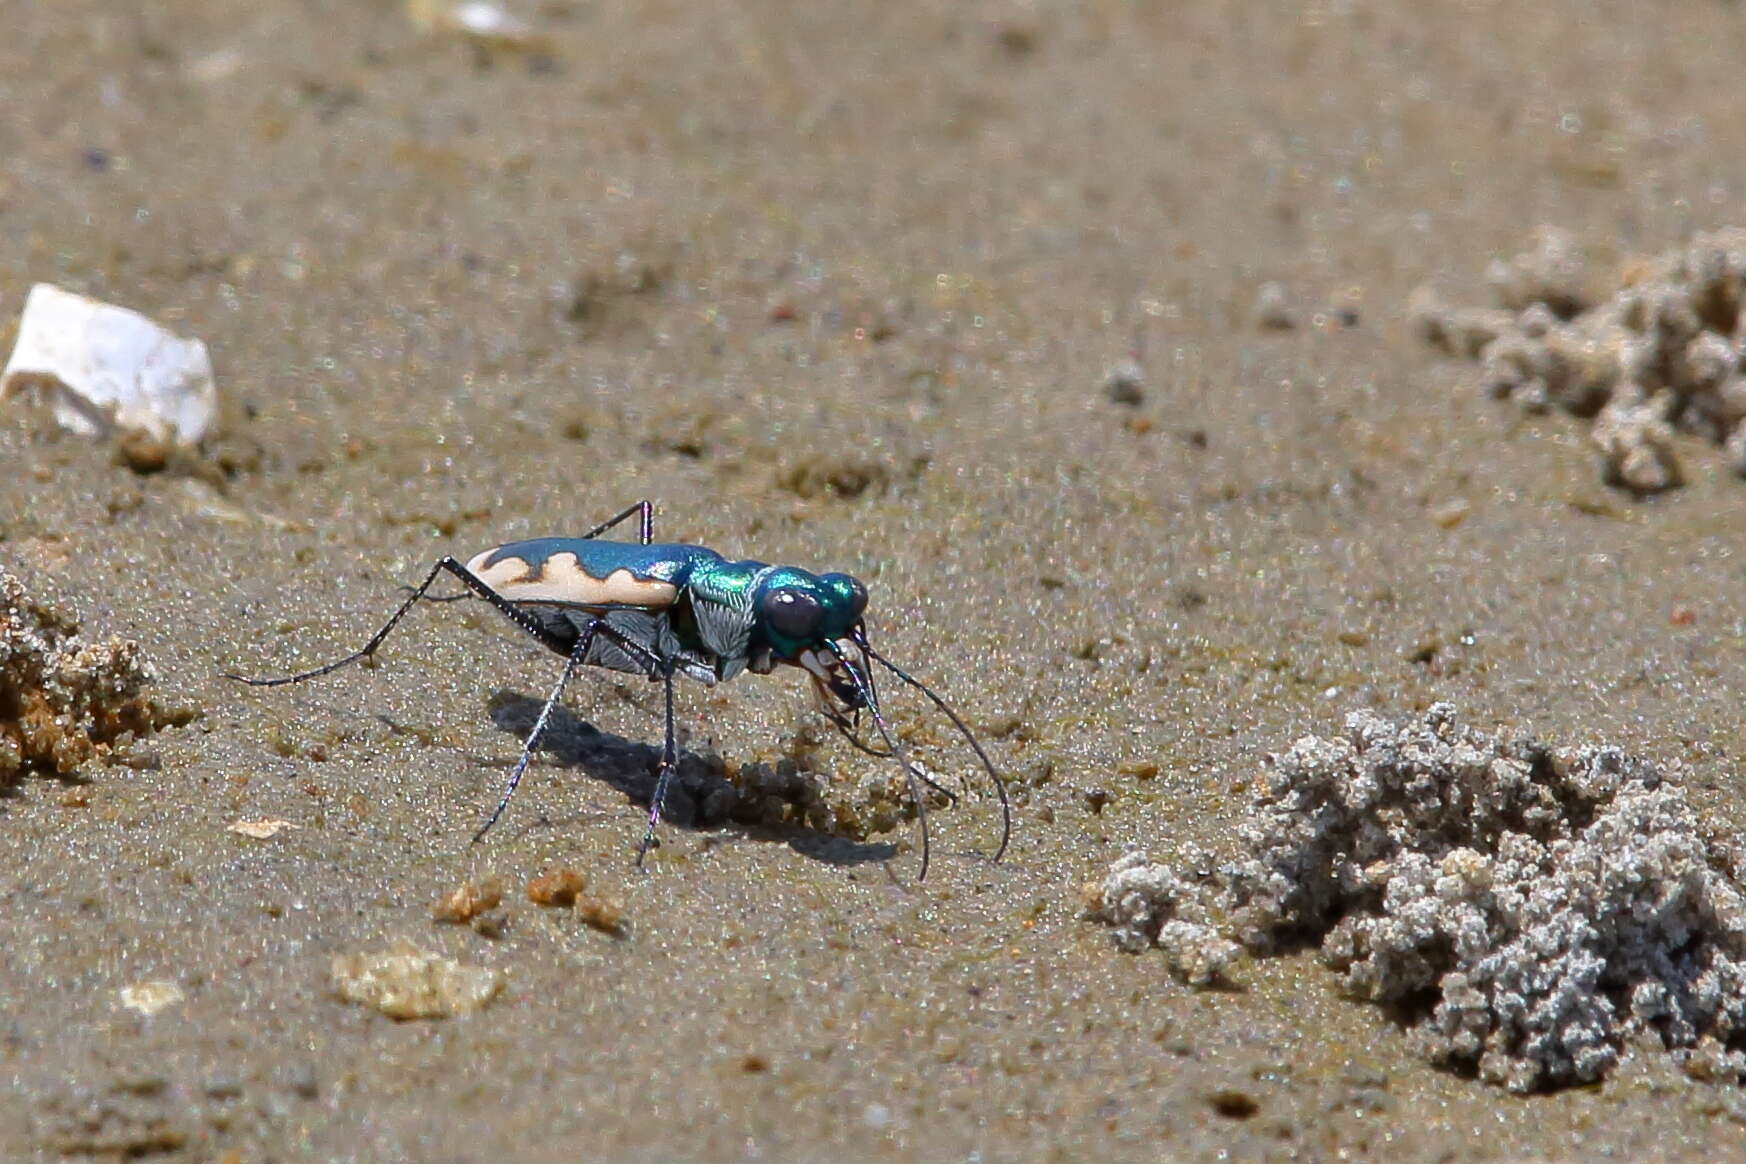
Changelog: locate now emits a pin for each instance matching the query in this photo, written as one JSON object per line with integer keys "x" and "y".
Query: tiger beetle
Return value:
{"x": 661, "y": 609}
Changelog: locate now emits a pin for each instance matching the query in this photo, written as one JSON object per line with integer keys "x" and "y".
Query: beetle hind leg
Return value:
{"x": 473, "y": 583}
{"x": 577, "y": 656}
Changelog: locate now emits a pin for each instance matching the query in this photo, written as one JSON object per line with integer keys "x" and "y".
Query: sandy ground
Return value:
{"x": 838, "y": 285}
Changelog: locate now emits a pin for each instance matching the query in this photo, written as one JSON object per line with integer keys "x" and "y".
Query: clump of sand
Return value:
{"x": 65, "y": 699}
{"x": 406, "y": 982}
{"x": 1663, "y": 351}
{"x": 1529, "y": 911}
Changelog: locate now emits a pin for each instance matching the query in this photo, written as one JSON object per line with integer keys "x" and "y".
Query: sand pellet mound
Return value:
{"x": 1528, "y": 912}
{"x": 1663, "y": 352}
{"x": 64, "y": 699}
{"x": 785, "y": 795}
{"x": 789, "y": 791}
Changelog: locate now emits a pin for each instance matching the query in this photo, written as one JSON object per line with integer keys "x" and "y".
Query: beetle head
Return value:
{"x": 808, "y": 620}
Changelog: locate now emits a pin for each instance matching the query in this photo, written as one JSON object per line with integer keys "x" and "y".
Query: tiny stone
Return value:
{"x": 144, "y": 1084}
{"x": 1452, "y": 513}
{"x": 142, "y": 452}
{"x": 299, "y": 1079}
{"x": 556, "y": 888}
{"x": 1096, "y": 799}
{"x": 603, "y": 914}
{"x": 1234, "y": 1105}
{"x": 222, "y": 1087}
{"x": 468, "y": 902}
{"x": 491, "y": 925}
{"x": 1125, "y": 384}
{"x": 151, "y": 997}
{"x": 1273, "y": 310}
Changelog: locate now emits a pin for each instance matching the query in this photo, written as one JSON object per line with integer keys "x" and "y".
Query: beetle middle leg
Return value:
{"x": 660, "y": 668}
{"x": 669, "y": 766}
{"x": 663, "y": 669}
{"x": 578, "y": 656}
{"x": 645, "y": 526}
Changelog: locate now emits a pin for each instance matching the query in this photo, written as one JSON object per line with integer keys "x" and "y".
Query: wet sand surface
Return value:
{"x": 836, "y": 285}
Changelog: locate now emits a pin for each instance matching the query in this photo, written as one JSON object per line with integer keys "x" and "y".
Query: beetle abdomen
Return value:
{"x": 587, "y": 572}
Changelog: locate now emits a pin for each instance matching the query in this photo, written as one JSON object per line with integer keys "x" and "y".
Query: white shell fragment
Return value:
{"x": 107, "y": 369}
{"x": 480, "y": 21}
{"x": 260, "y": 830}
{"x": 487, "y": 20}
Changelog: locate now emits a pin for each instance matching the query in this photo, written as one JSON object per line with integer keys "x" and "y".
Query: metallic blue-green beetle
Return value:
{"x": 661, "y": 610}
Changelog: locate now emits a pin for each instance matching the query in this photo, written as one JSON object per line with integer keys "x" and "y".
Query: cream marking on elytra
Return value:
{"x": 564, "y": 580}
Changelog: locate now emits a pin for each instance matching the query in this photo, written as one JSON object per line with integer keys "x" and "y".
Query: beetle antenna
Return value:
{"x": 850, "y": 731}
{"x": 860, "y": 639}
{"x": 863, "y": 685}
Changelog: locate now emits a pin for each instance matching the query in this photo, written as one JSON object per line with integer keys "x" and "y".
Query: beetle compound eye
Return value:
{"x": 793, "y": 614}
{"x": 851, "y": 589}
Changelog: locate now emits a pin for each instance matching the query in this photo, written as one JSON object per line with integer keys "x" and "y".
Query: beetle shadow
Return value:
{"x": 699, "y": 798}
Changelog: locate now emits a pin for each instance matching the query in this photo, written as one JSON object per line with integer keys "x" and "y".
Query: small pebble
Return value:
{"x": 152, "y": 996}
{"x": 1273, "y": 310}
{"x": 468, "y": 902}
{"x": 603, "y": 914}
{"x": 260, "y": 830}
{"x": 145, "y": 1084}
{"x": 1452, "y": 513}
{"x": 1233, "y": 1105}
{"x": 1124, "y": 384}
{"x": 299, "y": 1079}
{"x": 222, "y": 1087}
{"x": 111, "y": 371}
{"x": 560, "y": 887}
